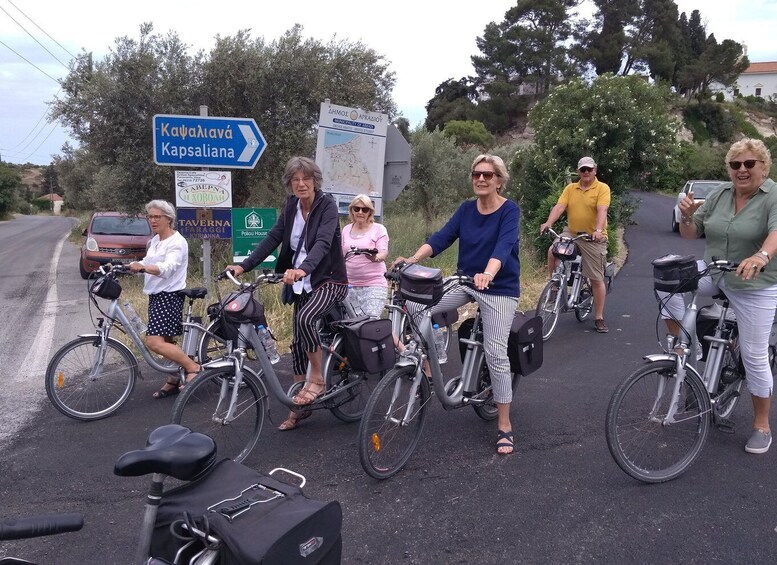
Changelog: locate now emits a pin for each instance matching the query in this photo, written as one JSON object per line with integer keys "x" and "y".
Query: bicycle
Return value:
{"x": 567, "y": 289}
{"x": 92, "y": 376}
{"x": 175, "y": 451}
{"x": 659, "y": 417}
{"x": 228, "y": 400}
{"x": 396, "y": 411}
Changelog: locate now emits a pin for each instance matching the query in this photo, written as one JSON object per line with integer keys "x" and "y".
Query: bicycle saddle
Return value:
{"x": 171, "y": 450}
{"x": 193, "y": 293}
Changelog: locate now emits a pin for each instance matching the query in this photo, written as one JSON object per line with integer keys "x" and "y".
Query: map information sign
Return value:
{"x": 249, "y": 227}
{"x": 350, "y": 151}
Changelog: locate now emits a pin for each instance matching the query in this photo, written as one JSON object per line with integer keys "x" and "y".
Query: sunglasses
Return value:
{"x": 488, "y": 175}
{"x": 749, "y": 164}
{"x": 585, "y": 169}
{"x": 361, "y": 209}
{"x": 154, "y": 217}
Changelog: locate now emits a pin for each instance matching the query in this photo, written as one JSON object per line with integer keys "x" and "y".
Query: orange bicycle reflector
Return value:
{"x": 60, "y": 379}
{"x": 376, "y": 442}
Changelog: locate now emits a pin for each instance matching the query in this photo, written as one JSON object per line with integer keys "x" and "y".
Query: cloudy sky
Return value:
{"x": 426, "y": 42}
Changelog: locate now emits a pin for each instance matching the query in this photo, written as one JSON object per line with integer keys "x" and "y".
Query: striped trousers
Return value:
{"x": 308, "y": 310}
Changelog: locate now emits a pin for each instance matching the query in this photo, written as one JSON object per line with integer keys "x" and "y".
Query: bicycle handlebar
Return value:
{"x": 580, "y": 235}
{"x": 261, "y": 278}
{"x": 361, "y": 251}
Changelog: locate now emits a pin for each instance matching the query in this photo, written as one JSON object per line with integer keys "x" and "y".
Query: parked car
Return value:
{"x": 112, "y": 237}
{"x": 701, "y": 189}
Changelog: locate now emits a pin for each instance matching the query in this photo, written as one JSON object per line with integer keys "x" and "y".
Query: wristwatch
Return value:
{"x": 765, "y": 254}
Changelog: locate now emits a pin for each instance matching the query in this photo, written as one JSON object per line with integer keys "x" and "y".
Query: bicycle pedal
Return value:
{"x": 726, "y": 426}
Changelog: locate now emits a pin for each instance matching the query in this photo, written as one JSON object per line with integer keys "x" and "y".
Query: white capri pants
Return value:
{"x": 754, "y": 310}
{"x": 497, "y": 313}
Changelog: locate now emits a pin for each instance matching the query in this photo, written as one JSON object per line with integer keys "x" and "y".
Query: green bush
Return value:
{"x": 469, "y": 132}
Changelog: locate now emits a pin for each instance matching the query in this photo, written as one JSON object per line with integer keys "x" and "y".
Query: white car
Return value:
{"x": 701, "y": 189}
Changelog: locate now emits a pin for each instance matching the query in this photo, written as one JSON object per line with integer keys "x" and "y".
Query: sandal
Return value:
{"x": 307, "y": 396}
{"x": 505, "y": 440}
{"x": 189, "y": 378}
{"x": 294, "y": 418}
{"x": 165, "y": 392}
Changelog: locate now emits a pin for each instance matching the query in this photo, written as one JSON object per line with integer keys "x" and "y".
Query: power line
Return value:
{"x": 30, "y": 62}
{"x": 41, "y": 143}
{"x": 34, "y": 38}
{"x": 33, "y": 128}
{"x": 40, "y": 28}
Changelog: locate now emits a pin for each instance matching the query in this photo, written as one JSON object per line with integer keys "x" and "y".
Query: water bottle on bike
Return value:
{"x": 439, "y": 343}
{"x": 134, "y": 318}
{"x": 269, "y": 343}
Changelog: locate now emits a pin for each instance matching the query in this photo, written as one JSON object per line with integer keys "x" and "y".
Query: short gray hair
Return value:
{"x": 167, "y": 209}
{"x": 305, "y": 166}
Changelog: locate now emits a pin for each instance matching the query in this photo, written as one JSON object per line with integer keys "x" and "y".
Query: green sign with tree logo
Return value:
{"x": 249, "y": 227}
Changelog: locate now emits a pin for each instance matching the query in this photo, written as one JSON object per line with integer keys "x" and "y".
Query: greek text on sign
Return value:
{"x": 203, "y": 189}
{"x": 207, "y": 141}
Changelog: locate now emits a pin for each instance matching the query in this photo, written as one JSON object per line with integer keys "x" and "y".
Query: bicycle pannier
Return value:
{"x": 524, "y": 345}
{"x": 564, "y": 249}
{"x": 369, "y": 344}
{"x": 421, "y": 284}
{"x": 242, "y": 307}
{"x": 280, "y": 525}
{"x": 106, "y": 287}
{"x": 675, "y": 273}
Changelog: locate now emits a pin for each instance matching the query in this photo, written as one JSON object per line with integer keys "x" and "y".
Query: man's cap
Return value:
{"x": 586, "y": 162}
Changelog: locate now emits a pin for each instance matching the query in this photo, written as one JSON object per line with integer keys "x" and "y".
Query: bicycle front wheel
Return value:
{"x": 206, "y": 402}
{"x": 585, "y": 301}
{"x": 358, "y": 386}
{"x": 88, "y": 381}
{"x": 641, "y": 440}
{"x": 548, "y": 308}
{"x": 392, "y": 422}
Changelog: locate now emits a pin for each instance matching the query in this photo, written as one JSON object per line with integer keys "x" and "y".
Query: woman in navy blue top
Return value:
{"x": 487, "y": 229}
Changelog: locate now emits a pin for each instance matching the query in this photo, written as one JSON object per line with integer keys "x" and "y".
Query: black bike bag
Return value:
{"x": 675, "y": 273}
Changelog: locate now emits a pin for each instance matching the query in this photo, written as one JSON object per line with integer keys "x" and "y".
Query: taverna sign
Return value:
{"x": 203, "y": 189}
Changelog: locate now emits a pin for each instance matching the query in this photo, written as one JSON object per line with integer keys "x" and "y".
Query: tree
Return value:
{"x": 527, "y": 48}
{"x": 468, "y": 133}
{"x": 453, "y": 100}
{"x": 721, "y": 63}
{"x": 9, "y": 183}
{"x": 109, "y": 105}
{"x": 604, "y": 43}
{"x": 621, "y": 122}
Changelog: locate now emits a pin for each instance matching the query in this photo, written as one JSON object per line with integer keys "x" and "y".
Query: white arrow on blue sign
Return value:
{"x": 207, "y": 141}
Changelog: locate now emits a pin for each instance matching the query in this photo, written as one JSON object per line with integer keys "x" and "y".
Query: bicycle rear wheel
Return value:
{"x": 213, "y": 345}
{"x": 204, "y": 404}
{"x": 642, "y": 443}
{"x": 338, "y": 372}
{"x": 488, "y": 410}
{"x": 585, "y": 300}
{"x": 392, "y": 422}
{"x": 87, "y": 382}
{"x": 548, "y": 308}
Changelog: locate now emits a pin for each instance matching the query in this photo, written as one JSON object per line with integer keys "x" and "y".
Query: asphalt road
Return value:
{"x": 559, "y": 499}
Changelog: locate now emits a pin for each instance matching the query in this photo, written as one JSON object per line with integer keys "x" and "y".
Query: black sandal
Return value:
{"x": 165, "y": 392}
{"x": 505, "y": 439}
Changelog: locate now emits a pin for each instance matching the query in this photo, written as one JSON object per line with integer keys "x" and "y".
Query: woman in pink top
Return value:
{"x": 368, "y": 286}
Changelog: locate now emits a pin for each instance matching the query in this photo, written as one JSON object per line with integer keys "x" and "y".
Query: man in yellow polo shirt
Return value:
{"x": 586, "y": 203}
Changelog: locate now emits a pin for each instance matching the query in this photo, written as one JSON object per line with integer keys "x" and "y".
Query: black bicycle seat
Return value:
{"x": 171, "y": 450}
{"x": 193, "y": 293}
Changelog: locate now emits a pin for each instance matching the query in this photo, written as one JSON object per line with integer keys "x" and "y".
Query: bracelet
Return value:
{"x": 686, "y": 220}
{"x": 760, "y": 255}
{"x": 489, "y": 274}
{"x": 416, "y": 258}
{"x": 765, "y": 254}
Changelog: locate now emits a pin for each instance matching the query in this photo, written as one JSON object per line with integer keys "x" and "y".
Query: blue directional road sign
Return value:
{"x": 204, "y": 141}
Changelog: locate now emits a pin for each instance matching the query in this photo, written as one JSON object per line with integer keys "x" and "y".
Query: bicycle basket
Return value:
{"x": 421, "y": 284}
{"x": 241, "y": 307}
{"x": 565, "y": 250}
{"x": 675, "y": 273}
{"x": 106, "y": 287}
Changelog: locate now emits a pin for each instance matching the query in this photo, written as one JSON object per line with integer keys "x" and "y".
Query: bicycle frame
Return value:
{"x": 563, "y": 273}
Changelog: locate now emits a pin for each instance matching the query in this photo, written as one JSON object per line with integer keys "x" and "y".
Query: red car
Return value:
{"x": 113, "y": 237}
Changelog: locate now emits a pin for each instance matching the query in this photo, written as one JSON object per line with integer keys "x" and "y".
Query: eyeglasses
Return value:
{"x": 488, "y": 175}
{"x": 297, "y": 180}
{"x": 749, "y": 164}
{"x": 585, "y": 169}
{"x": 154, "y": 217}
{"x": 361, "y": 209}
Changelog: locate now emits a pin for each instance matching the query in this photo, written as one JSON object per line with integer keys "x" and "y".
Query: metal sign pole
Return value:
{"x": 206, "y": 250}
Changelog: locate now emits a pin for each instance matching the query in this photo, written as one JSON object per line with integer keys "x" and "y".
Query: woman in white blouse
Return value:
{"x": 165, "y": 265}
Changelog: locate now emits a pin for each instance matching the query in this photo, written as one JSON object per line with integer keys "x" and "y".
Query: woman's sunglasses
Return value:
{"x": 749, "y": 164}
{"x": 361, "y": 209}
{"x": 488, "y": 175}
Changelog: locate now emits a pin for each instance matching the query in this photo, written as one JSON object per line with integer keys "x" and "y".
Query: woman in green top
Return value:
{"x": 739, "y": 221}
